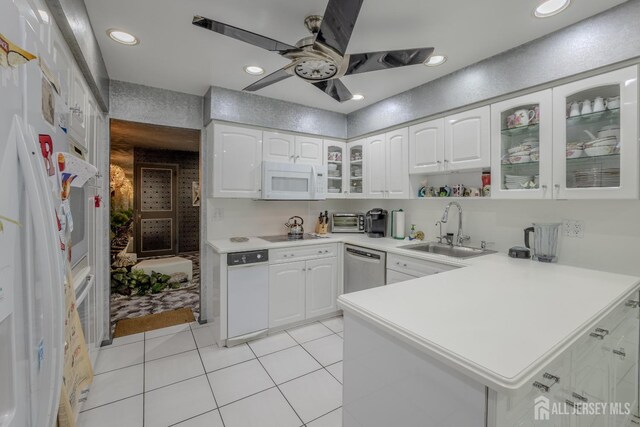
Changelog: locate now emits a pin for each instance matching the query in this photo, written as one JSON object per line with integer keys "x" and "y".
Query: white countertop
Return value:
{"x": 498, "y": 320}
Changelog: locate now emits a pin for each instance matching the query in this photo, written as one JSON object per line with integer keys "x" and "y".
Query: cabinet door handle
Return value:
{"x": 620, "y": 352}
{"x": 632, "y": 304}
{"x": 596, "y": 335}
{"x": 546, "y": 387}
{"x": 319, "y": 252}
{"x": 602, "y": 331}
{"x": 579, "y": 397}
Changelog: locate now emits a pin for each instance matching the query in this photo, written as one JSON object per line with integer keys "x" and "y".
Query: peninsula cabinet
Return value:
{"x": 405, "y": 386}
{"x": 595, "y": 137}
{"x": 237, "y": 161}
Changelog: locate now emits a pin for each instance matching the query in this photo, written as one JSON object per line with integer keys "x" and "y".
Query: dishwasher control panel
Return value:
{"x": 249, "y": 257}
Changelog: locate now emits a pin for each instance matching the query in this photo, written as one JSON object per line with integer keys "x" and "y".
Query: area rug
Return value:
{"x": 150, "y": 322}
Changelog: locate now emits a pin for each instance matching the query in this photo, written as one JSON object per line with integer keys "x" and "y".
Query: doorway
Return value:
{"x": 156, "y": 210}
{"x": 155, "y": 220}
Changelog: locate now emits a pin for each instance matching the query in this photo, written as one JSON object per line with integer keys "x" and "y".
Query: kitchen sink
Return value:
{"x": 452, "y": 251}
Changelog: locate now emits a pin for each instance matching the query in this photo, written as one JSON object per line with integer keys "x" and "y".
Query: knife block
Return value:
{"x": 321, "y": 228}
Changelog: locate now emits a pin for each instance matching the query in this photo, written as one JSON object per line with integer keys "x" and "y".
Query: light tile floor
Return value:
{"x": 176, "y": 377}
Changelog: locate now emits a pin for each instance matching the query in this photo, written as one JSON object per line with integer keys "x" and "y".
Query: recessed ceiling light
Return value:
{"x": 357, "y": 97}
{"x": 122, "y": 37}
{"x": 550, "y": 7}
{"x": 435, "y": 60}
{"x": 254, "y": 70}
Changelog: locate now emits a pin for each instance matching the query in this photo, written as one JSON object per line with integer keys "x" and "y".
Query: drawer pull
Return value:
{"x": 632, "y": 304}
{"x": 326, "y": 251}
{"x": 570, "y": 403}
{"x": 404, "y": 265}
{"x": 285, "y": 255}
{"x": 620, "y": 352}
{"x": 544, "y": 387}
{"x": 319, "y": 252}
{"x": 598, "y": 336}
{"x": 579, "y": 397}
{"x": 602, "y": 331}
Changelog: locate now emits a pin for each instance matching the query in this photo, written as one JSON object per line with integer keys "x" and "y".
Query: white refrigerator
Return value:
{"x": 31, "y": 262}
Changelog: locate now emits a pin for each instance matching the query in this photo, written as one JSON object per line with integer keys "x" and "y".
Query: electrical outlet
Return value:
{"x": 573, "y": 228}
{"x": 218, "y": 214}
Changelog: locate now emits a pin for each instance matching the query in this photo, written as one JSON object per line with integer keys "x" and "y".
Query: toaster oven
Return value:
{"x": 343, "y": 222}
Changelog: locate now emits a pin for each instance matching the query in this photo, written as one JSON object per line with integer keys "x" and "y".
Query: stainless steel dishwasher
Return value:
{"x": 363, "y": 268}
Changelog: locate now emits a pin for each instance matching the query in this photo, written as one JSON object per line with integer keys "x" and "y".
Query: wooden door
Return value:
{"x": 156, "y": 209}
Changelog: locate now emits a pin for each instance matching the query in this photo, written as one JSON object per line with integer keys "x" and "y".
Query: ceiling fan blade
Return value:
{"x": 374, "y": 61}
{"x": 242, "y": 35}
{"x": 272, "y": 78}
{"x": 335, "y": 89}
{"x": 337, "y": 24}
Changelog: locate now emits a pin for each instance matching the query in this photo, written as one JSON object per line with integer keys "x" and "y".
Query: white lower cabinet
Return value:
{"x": 401, "y": 268}
{"x": 286, "y": 293}
{"x": 321, "y": 286}
{"x": 302, "y": 290}
{"x": 593, "y": 384}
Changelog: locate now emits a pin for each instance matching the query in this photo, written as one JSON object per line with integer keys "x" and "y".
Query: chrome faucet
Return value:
{"x": 460, "y": 238}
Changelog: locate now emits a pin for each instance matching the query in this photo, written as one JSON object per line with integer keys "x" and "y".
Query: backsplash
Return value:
{"x": 611, "y": 228}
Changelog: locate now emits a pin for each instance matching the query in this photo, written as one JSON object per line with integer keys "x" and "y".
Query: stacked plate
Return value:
{"x": 597, "y": 178}
{"x": 517, "y": 182}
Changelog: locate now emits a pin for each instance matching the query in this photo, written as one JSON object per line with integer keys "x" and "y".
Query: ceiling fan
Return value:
{"x": 320, "y": 59}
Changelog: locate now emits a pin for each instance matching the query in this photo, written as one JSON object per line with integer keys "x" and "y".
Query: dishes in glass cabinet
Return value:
{"x": 597, "y": 177}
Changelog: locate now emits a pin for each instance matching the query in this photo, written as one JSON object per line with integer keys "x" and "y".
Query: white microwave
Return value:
{"x": 290, "y": 181}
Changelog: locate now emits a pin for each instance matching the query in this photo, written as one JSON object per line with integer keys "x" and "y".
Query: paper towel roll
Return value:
{"x": 398, "y": 224}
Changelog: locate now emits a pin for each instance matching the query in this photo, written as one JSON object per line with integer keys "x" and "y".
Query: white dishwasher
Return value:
{"x": 247, "y": 296}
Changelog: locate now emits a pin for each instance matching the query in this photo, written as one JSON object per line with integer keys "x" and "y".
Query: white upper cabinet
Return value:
{"x": 387, "y": 165}
{"x": 397, "y": 166}
{"x": 595, "y": 137}
{"x": 288, "y": 148}
{"x": 278, "y": 147}
{"x": 426, "y": 147}
{"x": 522, "y": 147}
{"x": 309, "y": 150}
{"x": 337, "y": 169}
{"x": 375, "y": 168}
{"x": 237, "y": 162}
{"x": 355, "y": 169}
{"x": 467, "y": 140}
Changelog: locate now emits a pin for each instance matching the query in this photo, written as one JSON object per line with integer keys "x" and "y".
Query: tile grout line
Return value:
{"x": 144, "y": 363}
{"x": 215, "y": 401}
{"x": 113, "y": 401}
{"x": 283, "y": 396}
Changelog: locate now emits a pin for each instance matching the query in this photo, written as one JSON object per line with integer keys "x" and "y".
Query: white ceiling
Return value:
{"x": 174, "y": 54}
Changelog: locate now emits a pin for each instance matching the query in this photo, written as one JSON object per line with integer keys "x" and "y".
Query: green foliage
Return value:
{"x": 120, "y": 218}
{"x": 137, "y": 281}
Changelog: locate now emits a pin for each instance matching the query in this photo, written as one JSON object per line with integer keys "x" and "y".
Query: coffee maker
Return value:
{"x": 376, "y": 222}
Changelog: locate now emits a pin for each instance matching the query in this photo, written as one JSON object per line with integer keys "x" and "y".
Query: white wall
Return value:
{"x": 611, "y": 237}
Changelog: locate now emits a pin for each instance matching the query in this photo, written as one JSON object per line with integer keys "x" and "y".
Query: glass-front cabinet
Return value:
{"x": 521, "y": 147}
{"x": 355, "y": 170}
{"x": 336, "y": 160}
{"x": 595, "y": 137}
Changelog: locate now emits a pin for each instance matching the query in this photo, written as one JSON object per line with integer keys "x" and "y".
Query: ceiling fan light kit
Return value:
{"x": 321, "y": 58}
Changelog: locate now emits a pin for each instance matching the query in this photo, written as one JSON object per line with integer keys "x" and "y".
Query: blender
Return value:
{"x": 545, "y": 241}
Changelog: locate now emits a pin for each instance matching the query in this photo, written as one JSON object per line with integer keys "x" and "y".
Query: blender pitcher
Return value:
{"x": 545, "y": 241}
